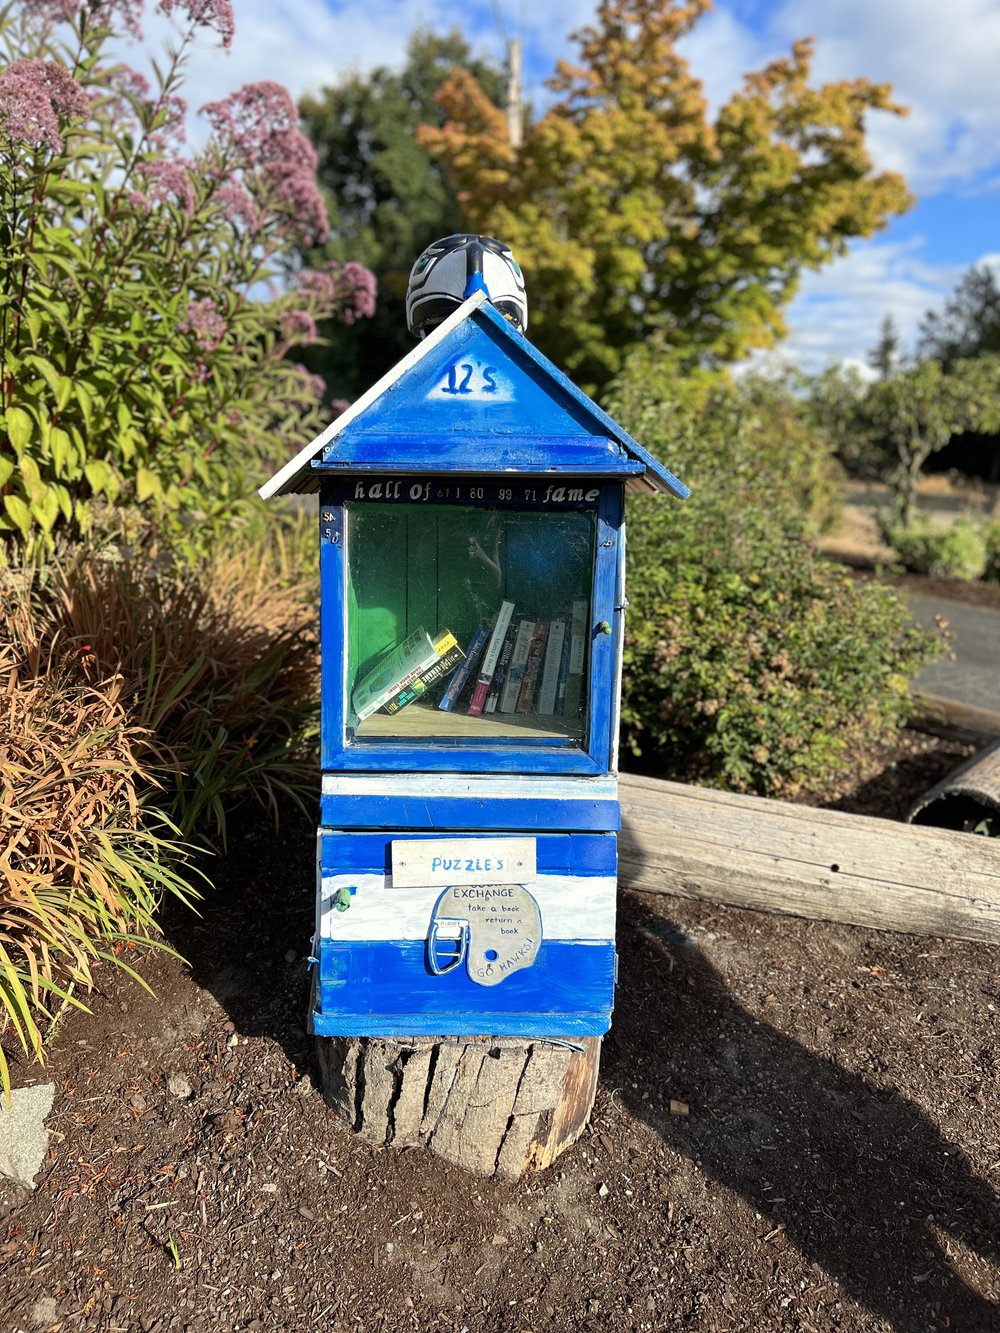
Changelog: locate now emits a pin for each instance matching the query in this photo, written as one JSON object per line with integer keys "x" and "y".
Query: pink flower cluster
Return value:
{"x": 298, "y": 326}
{"x": 257, "y": 128}
{"x": 36, "y": 98}
{"x": 214, "y": 14}
{"x": 126, "y": 15}
{"x": 205, "y": 322}
{"x": 165, "y": 178}
{"x": 364, "y": 285}
{"x": 348, "y": 290}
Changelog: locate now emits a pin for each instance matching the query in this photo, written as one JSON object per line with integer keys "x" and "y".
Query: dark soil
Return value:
{"x": 837, "y": 1168}
{"x": 971, "y": 592}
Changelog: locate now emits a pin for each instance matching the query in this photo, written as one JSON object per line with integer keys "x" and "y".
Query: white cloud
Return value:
{"x": 838, "y": 311}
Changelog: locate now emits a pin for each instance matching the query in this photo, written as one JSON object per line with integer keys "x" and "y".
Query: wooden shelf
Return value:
{"x": 419, "y": 720}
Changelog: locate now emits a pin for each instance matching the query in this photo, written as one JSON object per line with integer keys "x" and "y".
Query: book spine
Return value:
{"x": 577, "y": 659}
{"x": 440, "y": 668}
{"x": 490, "y": 660}
{"x": 550, "y": 671}
{"x": 500, "y": 675}
{"x": 563, "y": 674}
{"x": 518, "y": 659}
{"x": 457, "y": 683}
{"x": 533, "y": 667}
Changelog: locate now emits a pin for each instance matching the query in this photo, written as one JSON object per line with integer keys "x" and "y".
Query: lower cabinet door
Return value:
{"x": 465, "y": 935}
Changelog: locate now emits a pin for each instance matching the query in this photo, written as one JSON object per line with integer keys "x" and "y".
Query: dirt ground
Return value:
{"x": 838, "y": 1167}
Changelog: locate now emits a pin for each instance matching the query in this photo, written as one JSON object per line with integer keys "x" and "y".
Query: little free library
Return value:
{"x": 472, "y": 558}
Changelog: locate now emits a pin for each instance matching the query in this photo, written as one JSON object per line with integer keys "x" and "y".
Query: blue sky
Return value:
{"x": 943, "y": 61}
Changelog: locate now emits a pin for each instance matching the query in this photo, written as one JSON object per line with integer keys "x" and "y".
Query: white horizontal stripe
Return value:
{"x": 425, "y": 785}
{"x": 573, "y": 907}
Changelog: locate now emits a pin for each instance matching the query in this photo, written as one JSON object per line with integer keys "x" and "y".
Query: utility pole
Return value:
{"x": 515, "y": 132}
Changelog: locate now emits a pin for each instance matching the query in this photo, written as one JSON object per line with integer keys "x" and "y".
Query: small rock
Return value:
{"x": 291, "y": 956}
{"x": 603, "y": 1190}
{"x": 180, "y": 1087}
{"x": 233, "y": 1041}
{"x": 44, "y": 1312}
{"x": 23, "y": 1140}
{"x": 269, "y": 1188}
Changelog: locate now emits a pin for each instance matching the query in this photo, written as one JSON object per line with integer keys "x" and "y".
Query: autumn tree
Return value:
{"x": 634, "y": 213}
{"x": 387, "y": 197}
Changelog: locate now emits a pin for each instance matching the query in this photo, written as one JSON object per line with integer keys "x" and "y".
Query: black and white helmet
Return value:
{"x": 450, "y": 270}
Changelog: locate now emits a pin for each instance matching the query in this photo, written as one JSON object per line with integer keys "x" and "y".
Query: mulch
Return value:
{"x": 795, "y": 1132}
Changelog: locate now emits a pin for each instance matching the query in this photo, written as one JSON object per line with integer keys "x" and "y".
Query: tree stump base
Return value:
{"x": 491, "y": 1105}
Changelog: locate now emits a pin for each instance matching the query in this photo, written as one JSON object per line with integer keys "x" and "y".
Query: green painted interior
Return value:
{"x": 430, "y": 566}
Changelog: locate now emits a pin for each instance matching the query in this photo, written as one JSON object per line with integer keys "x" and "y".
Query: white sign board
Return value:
{"x": 445, "y": 861}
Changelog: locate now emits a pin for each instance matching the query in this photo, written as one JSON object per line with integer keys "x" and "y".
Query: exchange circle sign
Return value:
{"x": 496, "y": 929}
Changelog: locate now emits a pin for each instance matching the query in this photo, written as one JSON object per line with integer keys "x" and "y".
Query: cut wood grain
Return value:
{"x": 965, "y": 797}
{"x": 491, "y": 1105}
{"x": 750, "y": 852}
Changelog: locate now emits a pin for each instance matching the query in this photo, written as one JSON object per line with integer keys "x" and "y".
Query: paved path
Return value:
{"x": 974, "y": 677}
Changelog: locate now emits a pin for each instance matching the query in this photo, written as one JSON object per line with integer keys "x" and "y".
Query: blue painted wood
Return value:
{"x": 419, "y": 404}
{"x": 440, "y": 758}
{"x": 358, "y": 451}
{"x": 585, "y": 854}
{"x": 673, "y": 484}
{"x": 333, "y": 636}
{"x": 604, "y": 701}
{"x": 534, "y": 812}
{"x": 540, "y": 1026}
{"x": 370, "y": 980}
{"x": 477, "y": 378}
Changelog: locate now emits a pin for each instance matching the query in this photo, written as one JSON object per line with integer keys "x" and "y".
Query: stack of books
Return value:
{"x": 523, "y": 666}
{"x": 404, "y": 672}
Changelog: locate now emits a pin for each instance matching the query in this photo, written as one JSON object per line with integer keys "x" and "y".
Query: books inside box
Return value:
{"x": 513, "y": 590}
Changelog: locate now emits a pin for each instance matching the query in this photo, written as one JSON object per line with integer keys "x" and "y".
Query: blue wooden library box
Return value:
{"x": 471, "y": 523}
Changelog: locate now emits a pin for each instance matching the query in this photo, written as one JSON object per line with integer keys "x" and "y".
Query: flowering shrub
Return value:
{"x": 149, "y": 307}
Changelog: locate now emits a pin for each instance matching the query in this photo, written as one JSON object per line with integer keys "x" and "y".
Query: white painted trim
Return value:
{"x": 573, "y": 907}
{"x": 479, "y": 787}
{"x": 283, "y": 481}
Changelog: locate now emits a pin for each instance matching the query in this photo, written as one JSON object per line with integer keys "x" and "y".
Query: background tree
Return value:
{"x": 969, "y": 323}
{"x": 388, "y": 198}
{"x": 631, "y": 211}
{"x": 904, "y": 419}
{"x": 886, "y": 355}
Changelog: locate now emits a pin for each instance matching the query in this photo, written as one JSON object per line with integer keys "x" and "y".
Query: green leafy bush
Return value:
{"x": 958, "y": 550}
{"x": 148, "y": 301}
{"x": 749, "y": 662}
{"x": 138, "y": 706}
{"x": 992, "y": 571}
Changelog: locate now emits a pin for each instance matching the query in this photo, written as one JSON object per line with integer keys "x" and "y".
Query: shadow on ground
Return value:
{"x": 857, "y": 1176}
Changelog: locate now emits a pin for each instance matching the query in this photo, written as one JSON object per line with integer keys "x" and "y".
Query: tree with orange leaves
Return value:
{"x": 636, "y": 216}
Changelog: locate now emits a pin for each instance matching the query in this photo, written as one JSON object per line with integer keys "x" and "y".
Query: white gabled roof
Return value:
{"x": 288, "y": 478}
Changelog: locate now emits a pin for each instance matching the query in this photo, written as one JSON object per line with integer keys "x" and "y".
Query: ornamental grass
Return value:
{"x": 137, "y": 706}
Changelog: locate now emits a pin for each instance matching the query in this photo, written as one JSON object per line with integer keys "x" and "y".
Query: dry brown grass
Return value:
{"x": 135, "y": 707}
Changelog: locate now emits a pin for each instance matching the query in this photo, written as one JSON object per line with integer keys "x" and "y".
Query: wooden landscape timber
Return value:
{"x": 746, "y": 851}
{"x": 968, "y": 797}
{"x": 957, "y": 721}
{"x": 491, "y": 1105}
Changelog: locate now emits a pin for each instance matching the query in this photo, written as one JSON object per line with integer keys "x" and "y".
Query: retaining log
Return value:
{"x": 747, "y": 851}
{"x": 967, "y": 799}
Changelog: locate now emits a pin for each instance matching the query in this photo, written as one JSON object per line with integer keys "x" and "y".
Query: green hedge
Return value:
{"x": 750, "y": 663}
